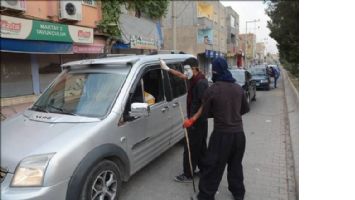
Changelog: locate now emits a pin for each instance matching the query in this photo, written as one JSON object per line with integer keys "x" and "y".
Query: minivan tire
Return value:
{"x": 104, "y": 179}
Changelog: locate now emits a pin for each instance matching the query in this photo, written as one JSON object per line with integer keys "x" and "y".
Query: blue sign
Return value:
{"x": 213, "y": 54}
{"x": 30, "y": 46}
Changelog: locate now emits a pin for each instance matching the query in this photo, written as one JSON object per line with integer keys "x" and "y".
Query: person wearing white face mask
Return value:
{"x": 197, "y": 133}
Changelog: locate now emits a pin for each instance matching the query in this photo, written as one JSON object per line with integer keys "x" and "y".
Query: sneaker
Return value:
{"x": 183, "y": 179}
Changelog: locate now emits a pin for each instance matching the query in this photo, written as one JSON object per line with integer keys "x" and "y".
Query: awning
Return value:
{"x": 31, "y": 46}
{"x": 120, "y": 45}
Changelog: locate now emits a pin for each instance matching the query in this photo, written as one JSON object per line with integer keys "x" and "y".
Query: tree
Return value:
{"x": 284, "y": 28}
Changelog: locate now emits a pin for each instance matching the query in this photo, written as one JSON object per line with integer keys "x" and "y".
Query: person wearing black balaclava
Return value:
{"x": 225, "y": 102}
{"x": 197, "y": 85}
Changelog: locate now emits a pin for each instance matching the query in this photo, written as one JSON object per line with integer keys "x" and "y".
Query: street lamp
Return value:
{"x": 246, "y": 34}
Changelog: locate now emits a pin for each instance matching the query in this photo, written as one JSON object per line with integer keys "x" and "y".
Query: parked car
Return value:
{"x": 92, "y": 128}
{"x": 260, "y": 76}
{"x": 243, "y": 78}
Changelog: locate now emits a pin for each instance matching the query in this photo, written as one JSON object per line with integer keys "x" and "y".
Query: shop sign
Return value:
{"x": 94, "y": 48}
{"x": 140, "y": 43}
{"x": 213, "y": 54}
{"x": 17, "y": 28}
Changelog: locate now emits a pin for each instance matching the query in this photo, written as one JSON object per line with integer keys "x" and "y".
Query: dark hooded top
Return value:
{"x": 225, "y": 101}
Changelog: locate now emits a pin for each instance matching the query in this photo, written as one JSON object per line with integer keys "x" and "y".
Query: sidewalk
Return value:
{"x": 9, "y": 111}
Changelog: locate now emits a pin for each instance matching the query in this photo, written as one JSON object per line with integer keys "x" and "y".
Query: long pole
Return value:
{"x": 188, "y": 149}
{"x": 246, "y": 41}
{"x": 246, "y": 33}
{"x": 174, "y": 24}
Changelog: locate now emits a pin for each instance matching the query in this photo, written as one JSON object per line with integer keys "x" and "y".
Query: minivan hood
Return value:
{"x": 22, "y": 136}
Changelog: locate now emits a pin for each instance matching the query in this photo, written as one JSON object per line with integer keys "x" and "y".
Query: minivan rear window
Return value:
{"x": 85, "y": 93}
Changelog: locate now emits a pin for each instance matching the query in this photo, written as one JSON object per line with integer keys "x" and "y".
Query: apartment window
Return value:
{"x": 90, "y": 2}
{"x": 232, "y": 20}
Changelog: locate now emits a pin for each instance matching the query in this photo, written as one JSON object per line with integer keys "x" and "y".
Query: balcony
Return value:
{"x": 204, "y": 23}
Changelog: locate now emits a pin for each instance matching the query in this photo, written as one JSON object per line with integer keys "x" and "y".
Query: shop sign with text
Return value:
{"x": 140, "y": 43}
{"x": 93, "y": 48}
{"x": 17, "y": 28}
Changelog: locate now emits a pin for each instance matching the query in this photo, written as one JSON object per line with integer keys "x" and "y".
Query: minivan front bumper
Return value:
{"x": 57, "y": 191}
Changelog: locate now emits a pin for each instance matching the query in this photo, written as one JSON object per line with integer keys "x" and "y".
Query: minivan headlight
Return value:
{"x": 30, "y": 171}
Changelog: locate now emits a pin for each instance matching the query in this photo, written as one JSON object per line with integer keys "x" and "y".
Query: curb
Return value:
{"x": 292, "y": 86}
{"x": 292, "y": 105}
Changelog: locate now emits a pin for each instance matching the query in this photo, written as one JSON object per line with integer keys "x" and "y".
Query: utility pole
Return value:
{"x": 174, "y": 24}
{"x": 246, "y": 35}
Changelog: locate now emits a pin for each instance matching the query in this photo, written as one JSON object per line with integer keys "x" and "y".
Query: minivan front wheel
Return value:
{"x": 103, "y": 182}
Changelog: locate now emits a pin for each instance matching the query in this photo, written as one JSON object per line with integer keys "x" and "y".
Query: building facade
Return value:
{"x": 248, "y": 44}
{"x": 37, "y": 37}
{"x": 232, "y": 23}
{"x": 260, "y": 52}
{"x": 198, "y": 28}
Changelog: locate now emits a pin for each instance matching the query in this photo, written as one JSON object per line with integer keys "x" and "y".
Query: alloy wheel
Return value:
{"x": 105, "y": 186}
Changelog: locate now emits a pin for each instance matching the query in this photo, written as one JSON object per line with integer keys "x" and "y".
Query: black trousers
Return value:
{"x": 197, "y": 138}
{"x": 224, "y": 148}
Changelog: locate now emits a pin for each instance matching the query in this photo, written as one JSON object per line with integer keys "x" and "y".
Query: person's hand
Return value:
{"x": 188, "y": 122}
{"x": 163, "y": 65}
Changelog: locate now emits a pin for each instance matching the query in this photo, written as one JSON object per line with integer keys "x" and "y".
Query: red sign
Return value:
{"x": 94, "y": 48}
{"x": 84, "y": 34}
{"x": 16, "y": 27}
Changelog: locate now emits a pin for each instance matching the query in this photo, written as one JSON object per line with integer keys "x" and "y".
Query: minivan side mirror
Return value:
{"x": 139, "y": 110}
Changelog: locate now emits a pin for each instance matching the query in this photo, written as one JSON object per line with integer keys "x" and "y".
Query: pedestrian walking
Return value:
{"x": 197, "y": 85}
{"x": 225, "y": 102}
{"x": 276, "y": 74}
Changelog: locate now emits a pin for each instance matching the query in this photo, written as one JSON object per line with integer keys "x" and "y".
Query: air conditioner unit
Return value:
{"x": 70, "y": 10}
{"x": 18, "y": 5}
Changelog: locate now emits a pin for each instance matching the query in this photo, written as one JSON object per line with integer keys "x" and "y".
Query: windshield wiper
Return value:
{"x": 38, "y": 108}
{"x": 62, "y": 111}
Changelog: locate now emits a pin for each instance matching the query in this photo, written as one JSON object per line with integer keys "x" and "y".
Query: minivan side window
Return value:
{"x": 178, "y": 85}
{"x": 153, "y": 86}
{"x": 149, "y": 89}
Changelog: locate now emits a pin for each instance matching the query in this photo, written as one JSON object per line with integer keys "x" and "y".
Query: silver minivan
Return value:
{"x": 97, "y": 123}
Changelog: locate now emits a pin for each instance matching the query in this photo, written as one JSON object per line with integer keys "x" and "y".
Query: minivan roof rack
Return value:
{"x": 167, "y": 52}
{"x": 119, "y": 55}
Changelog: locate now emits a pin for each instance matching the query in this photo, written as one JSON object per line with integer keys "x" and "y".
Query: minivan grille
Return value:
{"x": 3, "y": 173}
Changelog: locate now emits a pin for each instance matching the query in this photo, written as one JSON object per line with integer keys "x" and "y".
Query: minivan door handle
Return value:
{"x": 175, "y": 104}
{"x": 165, "y": 109}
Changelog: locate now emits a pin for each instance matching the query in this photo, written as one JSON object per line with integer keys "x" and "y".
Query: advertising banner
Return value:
{"x": 140, "y": 43}
{"x": 25, "y": 29}
{"x": 205, "y": 36}
{"x": 93, "y": 48}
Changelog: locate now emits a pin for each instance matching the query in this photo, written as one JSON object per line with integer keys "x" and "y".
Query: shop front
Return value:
{"x": 32, "y": 52}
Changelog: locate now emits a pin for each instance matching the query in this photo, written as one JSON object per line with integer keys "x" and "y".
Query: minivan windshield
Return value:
{"x": 87, "y": 93}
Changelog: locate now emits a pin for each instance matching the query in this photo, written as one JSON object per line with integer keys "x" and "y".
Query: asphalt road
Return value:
{"x": 265, "y": 162}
